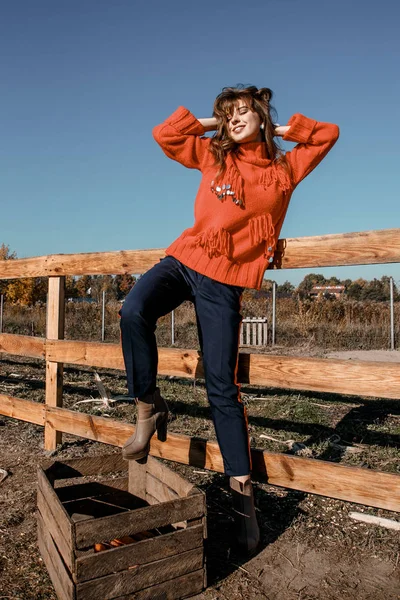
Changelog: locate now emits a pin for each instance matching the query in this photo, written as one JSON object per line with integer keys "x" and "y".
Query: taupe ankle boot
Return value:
{"x": 247, "y": 531}
{"x": 152, "y": 415}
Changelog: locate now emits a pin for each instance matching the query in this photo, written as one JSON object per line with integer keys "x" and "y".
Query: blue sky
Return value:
{"x": 83, "y": 82}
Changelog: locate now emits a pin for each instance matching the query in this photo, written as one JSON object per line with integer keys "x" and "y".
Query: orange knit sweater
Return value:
{"x": 234, "y": 242}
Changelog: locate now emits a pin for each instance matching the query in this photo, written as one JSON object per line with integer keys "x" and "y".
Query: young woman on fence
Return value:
{"x": 246, "y": 185}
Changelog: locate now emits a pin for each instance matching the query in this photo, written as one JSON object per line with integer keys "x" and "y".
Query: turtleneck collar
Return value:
{"x": 254, "y": 153}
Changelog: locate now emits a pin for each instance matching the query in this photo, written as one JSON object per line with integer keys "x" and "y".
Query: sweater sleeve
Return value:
{"x": 314, "y": 139}
{"x": 180, "y": 138}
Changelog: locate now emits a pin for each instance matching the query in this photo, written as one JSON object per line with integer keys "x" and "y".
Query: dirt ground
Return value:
{"x": 311, "y": 549}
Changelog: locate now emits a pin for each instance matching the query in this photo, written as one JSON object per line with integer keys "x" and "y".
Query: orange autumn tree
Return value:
{"x": 21, "y": 291}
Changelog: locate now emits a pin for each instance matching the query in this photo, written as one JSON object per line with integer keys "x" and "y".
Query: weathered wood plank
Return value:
{"x": 357, "y": 248}
{"x": 140, "y": 553}
{"x": 85, "y": 353}
{"x": 360, "y": 378}
{"x": 91, "y": 489}
{"x": 91, "y": 427}
{"x": 89, "y": 465}
{"x": 24, "y": 410}
{"x": 174, "y": 481}
{"x": 279, "y": 468}
{"x": 22, "y": 345}
{"x": 140, "y": 577}
{"x": 159, "y": 490}
{"x": 107, "y": 528}
{"x": 190, "y": 584}
{"x": 57, "y": 510}
{"x": 329, "y": 479}
{"x": 59, "y": 576}
{"x": 137, "y": 474}
{"x": 54, "y": 370}
{"x": 53, "y": 529}
{"x": 88, "y": 263}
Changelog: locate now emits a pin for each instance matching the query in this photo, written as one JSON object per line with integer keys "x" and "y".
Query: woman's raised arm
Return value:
{"x": 209, "y": 124}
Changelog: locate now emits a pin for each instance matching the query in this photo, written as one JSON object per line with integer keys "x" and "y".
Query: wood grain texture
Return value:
{"x": 357, "y": 248}
{"x": 279, "y": 469}
{"x": 159, "y": 490}
{"x": 137, "y": 474}
{"x": 90, "y": 263}
{"x": 85, "y": 353}
{"x": 360, "y": 378}
{"x": 89, "y": 465}
{"x": 53, "y": 529}
{"x": 91, "y": 427}
{"x": 54, "y": 370}
{"x": 171, "y": 479}
{"x": 176, "y": 589}
{"x": 22, "y": 345}
{"x": 105, "y": 529}
{"x": 91, "y": 489}
{"x": 354, "y": 484}
{"x": 59, "y": 576}
{"x": 141, "y": 553}
{"x": 355, "y": 377}
{"x": 24, "y": 410}
{"x": 142, "y": 576}
{"x": 59, "y": 513}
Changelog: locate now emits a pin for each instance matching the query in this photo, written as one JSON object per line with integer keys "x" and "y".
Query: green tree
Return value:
{"x": 285, "y": 289}
{"x": 375, "y": 290}
{"x": 309, "y": 282}
{"x": 123, "y": 284}
{"x": 354, "y": 290}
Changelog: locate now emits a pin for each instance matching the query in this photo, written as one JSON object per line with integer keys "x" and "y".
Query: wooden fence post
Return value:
{"x": 54, "y": 370}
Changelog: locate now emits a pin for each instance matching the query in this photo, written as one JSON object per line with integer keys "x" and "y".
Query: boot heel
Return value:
{"x": 162, "y": 430}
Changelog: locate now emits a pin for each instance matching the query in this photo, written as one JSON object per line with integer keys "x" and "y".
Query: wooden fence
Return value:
{"x": 371, "y": 379}
{"x": 254, "y": 332}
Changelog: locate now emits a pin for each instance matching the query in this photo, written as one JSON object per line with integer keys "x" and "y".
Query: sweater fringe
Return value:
{"x": 215, "y": 242}
{"x": 262, "y": 229}
{"x": 276, "y": 174}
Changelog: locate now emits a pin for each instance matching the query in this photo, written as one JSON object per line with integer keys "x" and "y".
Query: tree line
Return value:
{"x": 31, "y": 291}
{"x": 377, "y": 290}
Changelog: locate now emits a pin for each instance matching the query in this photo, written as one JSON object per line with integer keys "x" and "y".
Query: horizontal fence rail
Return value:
{"x": 381, "y": 490}
{"x": 359, "y": 248}
{"x": 358, "y": 378}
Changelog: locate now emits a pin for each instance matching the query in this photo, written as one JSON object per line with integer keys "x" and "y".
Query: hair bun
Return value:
{"x": 264, "y": 94}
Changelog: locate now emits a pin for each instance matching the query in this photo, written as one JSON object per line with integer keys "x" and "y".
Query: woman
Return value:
{"x": 246, "y": 185}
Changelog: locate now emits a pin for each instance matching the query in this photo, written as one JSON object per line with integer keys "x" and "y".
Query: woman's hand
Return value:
{"x": 280, "y": 130}
{"x": 209, "y": 124}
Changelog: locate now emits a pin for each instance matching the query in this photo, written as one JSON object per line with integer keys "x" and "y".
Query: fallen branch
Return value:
{"x": 388, "y": 523}
{"x": 296, "y": 447}
{"x": 105, "y": 395}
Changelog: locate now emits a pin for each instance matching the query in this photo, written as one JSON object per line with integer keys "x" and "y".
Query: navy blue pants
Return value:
{"x": 217, "y": 305}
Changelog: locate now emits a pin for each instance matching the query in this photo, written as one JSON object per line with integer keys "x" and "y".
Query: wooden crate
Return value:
{"x": 86, "y": 501}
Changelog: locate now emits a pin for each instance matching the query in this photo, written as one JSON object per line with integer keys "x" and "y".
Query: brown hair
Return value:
{"x": 258, "y": 101}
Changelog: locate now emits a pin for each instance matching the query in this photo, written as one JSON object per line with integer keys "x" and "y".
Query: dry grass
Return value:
{"x": 326, "y": 324}
{"x": 349, "y": 430}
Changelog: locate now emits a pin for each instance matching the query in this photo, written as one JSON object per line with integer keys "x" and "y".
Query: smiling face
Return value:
{"x": 243, "y": 124}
